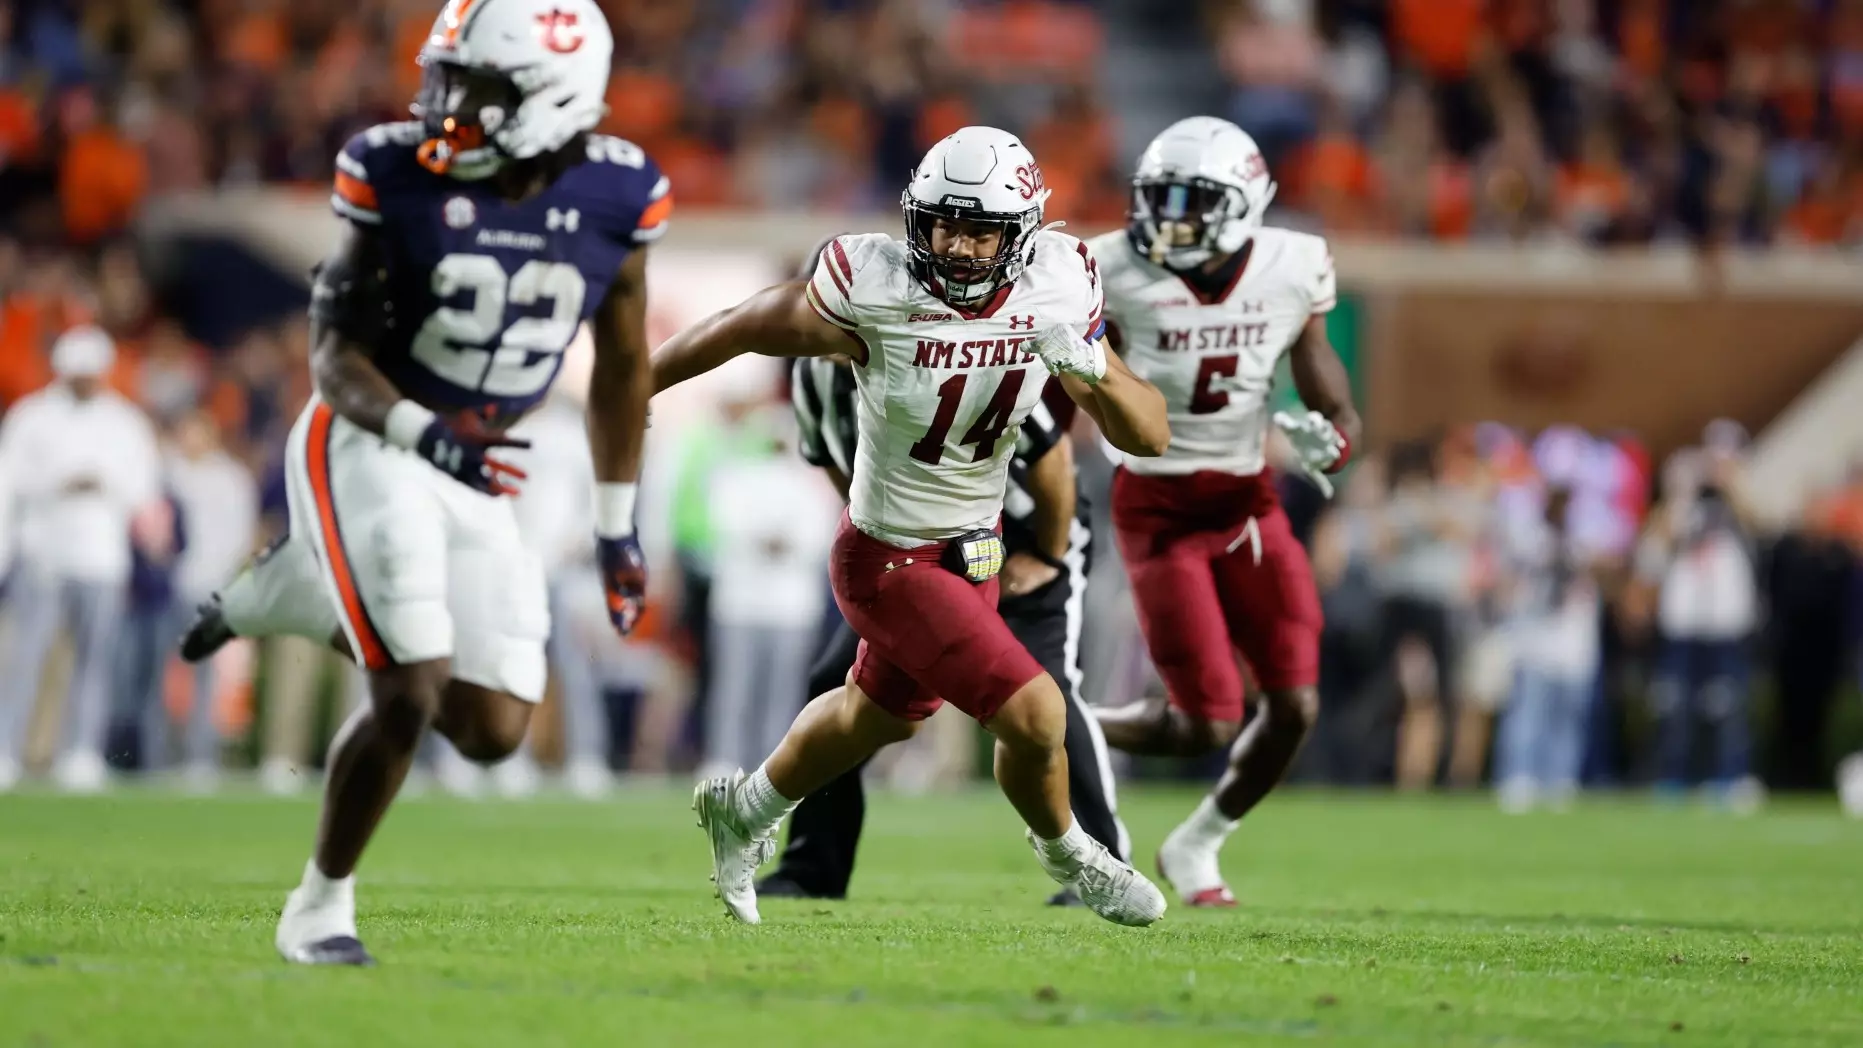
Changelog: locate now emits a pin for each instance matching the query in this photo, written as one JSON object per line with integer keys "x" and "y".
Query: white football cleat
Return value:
{"x": 199, "y": 779}
{"x": 1108, "y": 887}
{"x": 457, "y": 776}
{"x": 1850, "y": 785}
{"x": 280, "y": 777}
{"x": 735, "y": 853}
{"x": 517, "y": 776}
{"x": 81, "y": 771}
{"x": 1189, "y": 864}
{"x": 589, "y": 778}
{"x": 318, "y": 925}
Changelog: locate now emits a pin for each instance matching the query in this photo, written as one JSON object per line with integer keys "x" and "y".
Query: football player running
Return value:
{"x": 1203, "y": 300}
{"x": 478, "y": 239}
{"x": 952, "y": 334}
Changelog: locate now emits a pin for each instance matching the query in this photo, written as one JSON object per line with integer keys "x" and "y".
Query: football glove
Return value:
{"x": 1065, "y": 353}
{"x": 624, "y": 580}
{"x": 1317, "y": 443}
{"x": 462, "y": 448}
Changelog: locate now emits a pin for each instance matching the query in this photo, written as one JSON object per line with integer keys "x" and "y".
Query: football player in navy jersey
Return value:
{"x": 479, "y": 238}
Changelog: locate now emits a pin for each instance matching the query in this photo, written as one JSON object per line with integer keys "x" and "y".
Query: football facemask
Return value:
{"x": 461, "y": 109}
{"x": 1179, "y": 222}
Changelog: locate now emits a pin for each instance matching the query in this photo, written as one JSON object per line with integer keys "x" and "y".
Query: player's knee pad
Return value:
{"x": 516, "y": 666}
{"x": 406, "y": 589}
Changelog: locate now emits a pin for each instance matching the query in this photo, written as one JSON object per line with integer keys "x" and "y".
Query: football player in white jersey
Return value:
{"x": 1202, "y": 300}
{"x": 953, "y": 334}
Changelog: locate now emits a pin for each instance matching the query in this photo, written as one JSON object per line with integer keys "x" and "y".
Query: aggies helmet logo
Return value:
{"x": 560, "y": 30}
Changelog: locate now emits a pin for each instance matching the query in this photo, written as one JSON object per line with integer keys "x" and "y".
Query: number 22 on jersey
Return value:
{"x": 471, "y": 345}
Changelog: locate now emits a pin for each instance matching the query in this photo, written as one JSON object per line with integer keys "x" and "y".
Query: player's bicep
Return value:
{"x": 349, "y": 292}
{"x": 620, "y": 325}
{"x": 784, "y": 321}
{"x": 775, "y": 322}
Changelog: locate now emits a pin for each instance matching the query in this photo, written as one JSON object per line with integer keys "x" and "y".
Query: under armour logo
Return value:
{"x": 1024, "y": 323}
{"x": 447, "y": 456}
{"x": 567, "y": 221}
{"x": 1254, "y": 307}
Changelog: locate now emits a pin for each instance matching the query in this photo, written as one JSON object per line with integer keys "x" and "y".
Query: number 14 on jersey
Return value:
{"x": 984, "y": 432}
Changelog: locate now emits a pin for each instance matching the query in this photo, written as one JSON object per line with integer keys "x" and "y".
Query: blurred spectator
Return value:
{"x": 170, "y": 378}
{"x": 103, "y": 174}
{"x": 556, "y": 514}
{"x": 1347, "y": 548}
{"x": 1699, "y": 547}
{"x": 1271, "y": 51}
{"x": 1732, "y": 121}
{"x": 81, "y": 460}
{"x": 219, "y": 503}
{"x": 1541, "y": 749}
{"x": 774, "y": 518}
{"x": 138, "y": 730}
{"x": 41, "y": 295}
{"x": 1426, "y": 527}
{"x": 300, "y": 673}
{"x": 703, "y": 450}
{"x": 1593, "y": 194}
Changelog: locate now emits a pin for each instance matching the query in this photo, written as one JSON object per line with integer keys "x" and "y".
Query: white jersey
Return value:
{"x": 944, "y": 391}
{"x": 1214, "y": 359}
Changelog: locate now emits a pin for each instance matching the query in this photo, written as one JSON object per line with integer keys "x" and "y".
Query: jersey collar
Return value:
{"x": 1238, "y": 264}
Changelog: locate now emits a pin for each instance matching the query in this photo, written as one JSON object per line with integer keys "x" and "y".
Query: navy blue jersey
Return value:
{"x": 484, "y": 295}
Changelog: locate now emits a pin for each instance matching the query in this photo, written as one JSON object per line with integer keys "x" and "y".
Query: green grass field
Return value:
{"x": 144, "y": 919}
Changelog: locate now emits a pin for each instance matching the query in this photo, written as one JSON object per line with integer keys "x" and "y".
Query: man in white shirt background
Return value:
{"x": 1699, "y": 550}
{"x": 1540, "y": 753}
{"x": 80, "y": 460}
{"x": 556, "y": 516}
{"x": 218, "y": 500}
{"x": 773, "y": 520}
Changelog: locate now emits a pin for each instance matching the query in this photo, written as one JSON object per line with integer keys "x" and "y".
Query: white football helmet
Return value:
{"x": 981, "y": 175}
{"x": 1201, "y": 187}
{"x": 508, "y": 80}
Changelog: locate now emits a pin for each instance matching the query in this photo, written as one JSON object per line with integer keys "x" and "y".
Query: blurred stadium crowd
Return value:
{"x": 1600, "y": 121}
{"x": 1615, "y": 121}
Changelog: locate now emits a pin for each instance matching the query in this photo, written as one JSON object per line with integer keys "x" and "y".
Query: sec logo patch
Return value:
{"x": 459, "y": 212}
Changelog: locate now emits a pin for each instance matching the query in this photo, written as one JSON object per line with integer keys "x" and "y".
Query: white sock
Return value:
{"x": 283, "y": 596}
{"x": 1207, "y": 825}
{"x": 1069, "y": 847}
{"x": 323, "y": 890}
{"x": 757, "y": 804}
